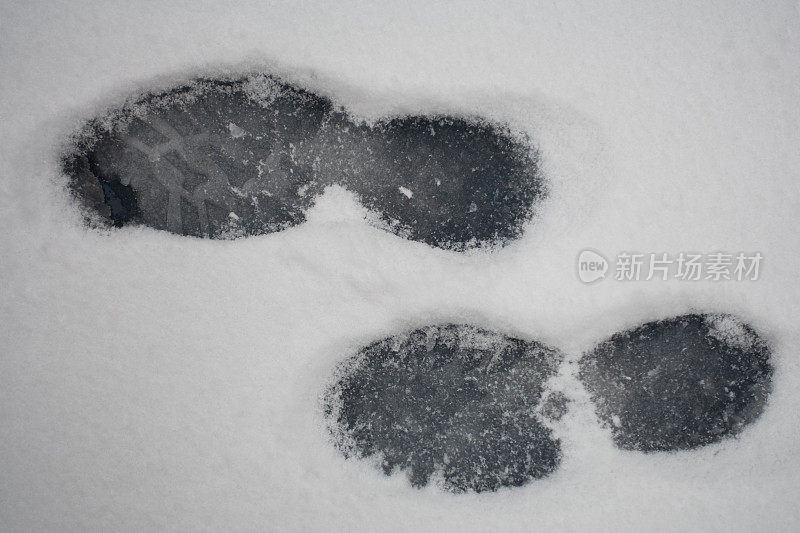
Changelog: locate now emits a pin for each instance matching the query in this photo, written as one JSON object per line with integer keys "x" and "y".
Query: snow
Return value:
{"x": 151, "y": 381}
{"x": 729, "y": 330}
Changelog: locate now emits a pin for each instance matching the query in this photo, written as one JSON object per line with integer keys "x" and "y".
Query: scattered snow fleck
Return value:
{"x": 236, "y": 131}
{"x": 727, "y": 329}
{"x": 406, "y": 192}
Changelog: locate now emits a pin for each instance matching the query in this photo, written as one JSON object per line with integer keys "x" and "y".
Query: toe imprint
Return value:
{"x": 452, "y": 403}
{"x": 214, "y": 159}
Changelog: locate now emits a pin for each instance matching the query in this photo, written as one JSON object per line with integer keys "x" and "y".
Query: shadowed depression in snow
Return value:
{"x": 224, "y": 159}
{"x": 680, "y": 383}
{"x": 452, "y": 403}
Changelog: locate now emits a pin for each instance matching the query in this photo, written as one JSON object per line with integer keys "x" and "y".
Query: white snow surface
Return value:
{"x": 155, "y": 382}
